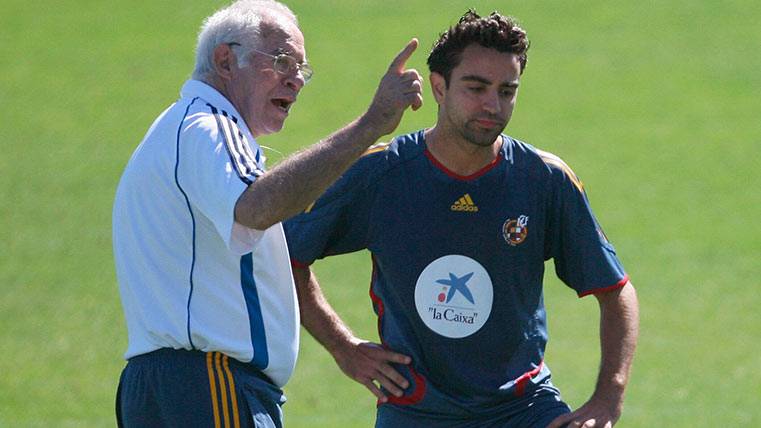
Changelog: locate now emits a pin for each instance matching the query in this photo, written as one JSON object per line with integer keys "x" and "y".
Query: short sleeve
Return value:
{"x": 584, "y": 258}
{"x": 214, "y": 166}
{"x": 337, "y": 223}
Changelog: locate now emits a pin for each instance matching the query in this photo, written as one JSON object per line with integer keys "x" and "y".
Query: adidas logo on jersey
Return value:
{"x": 465, "y": 203}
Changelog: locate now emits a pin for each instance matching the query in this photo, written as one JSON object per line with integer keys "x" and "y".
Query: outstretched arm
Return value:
{"x": 290, "y": 186}
{"x": 619, "y": 328}
{"x": 363, "y": 361}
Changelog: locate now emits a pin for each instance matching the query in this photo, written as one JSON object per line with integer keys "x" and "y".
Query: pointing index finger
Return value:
{"x": 400, "y": 61}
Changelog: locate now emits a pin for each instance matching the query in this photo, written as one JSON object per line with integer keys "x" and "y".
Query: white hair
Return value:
{"x": 238, "y": 23}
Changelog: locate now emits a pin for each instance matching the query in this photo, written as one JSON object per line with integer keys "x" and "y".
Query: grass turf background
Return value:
{"x": 654, "y": 104}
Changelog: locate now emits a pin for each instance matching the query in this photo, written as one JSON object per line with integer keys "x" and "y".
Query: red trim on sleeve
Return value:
{"x": 619, "y": 284}
{"x": 456, "y": 176}
{"x": 301, "y": 265}
{"x": 520, "y": 383}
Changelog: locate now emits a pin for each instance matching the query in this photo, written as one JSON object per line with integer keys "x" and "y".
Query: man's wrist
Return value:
{"x": 340, "y": 342}
{"x": 341, "y": 348}
{"x": 373, "y": 124}
{"x": 611, "y": 392}
{"x": 612, "y": 385}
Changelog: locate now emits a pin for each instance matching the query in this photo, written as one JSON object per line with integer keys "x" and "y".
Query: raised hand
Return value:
{"x": 398, "y": 89}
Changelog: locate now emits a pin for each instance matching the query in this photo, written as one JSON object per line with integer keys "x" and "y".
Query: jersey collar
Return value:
{"x": 196, "y": 88}
{"x": 488, "y": 167}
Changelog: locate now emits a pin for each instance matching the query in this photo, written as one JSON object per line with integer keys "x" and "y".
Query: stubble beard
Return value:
{"x": 470, "y": 132}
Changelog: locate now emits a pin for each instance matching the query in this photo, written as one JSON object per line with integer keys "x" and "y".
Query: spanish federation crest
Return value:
{"x": 515, "y": 231}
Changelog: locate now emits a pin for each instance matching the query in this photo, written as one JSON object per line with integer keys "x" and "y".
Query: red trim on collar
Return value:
{"x": 456, "y": 176}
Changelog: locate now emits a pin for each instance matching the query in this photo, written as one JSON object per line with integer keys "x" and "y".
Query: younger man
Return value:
{"x": 459, "y": 219}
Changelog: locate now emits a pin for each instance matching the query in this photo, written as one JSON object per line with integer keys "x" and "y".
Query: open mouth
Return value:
{"x": 282, "y": 103}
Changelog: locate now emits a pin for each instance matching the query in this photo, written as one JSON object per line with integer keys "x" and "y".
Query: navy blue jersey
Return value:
{"x": 458, "y": 262}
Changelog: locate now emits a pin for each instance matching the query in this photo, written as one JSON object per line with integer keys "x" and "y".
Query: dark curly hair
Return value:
{"x": 494, "y": 31}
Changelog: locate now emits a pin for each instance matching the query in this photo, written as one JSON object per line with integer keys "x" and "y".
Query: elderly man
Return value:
{"x": 459, "y": 219}
{"x": 201, "y": 258}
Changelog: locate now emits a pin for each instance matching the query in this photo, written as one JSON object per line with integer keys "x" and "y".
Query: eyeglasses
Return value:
{"x": 286, "y": 64}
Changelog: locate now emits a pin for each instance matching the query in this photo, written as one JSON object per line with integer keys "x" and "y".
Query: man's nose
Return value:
{"x": 295, "y": 81}
{"x": 491, "y": 102}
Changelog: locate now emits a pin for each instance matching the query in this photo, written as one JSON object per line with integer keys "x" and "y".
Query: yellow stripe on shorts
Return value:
{"x": 222, "y": 390}
{"x": 213, "y": 389}
{"x": 233, "y": 398}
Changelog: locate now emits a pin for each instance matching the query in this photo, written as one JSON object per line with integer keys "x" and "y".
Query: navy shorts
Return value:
{"x": 536, "y": 409}
{"x": 180, "y": 388}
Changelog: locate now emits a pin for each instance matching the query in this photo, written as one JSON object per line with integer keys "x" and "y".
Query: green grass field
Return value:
{"x": 654, "y": 104}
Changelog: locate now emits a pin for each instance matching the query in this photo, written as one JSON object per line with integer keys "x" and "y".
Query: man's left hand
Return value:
{"x": 595, "y": 413}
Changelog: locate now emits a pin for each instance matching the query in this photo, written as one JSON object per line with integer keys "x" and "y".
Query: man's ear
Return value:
{"x": 438, "y": 87}
{"x": 224, "y": 61}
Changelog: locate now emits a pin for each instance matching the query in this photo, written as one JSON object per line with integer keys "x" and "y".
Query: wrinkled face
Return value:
{"x": 481, "y": 96}
{"x": 262, "y": 95}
